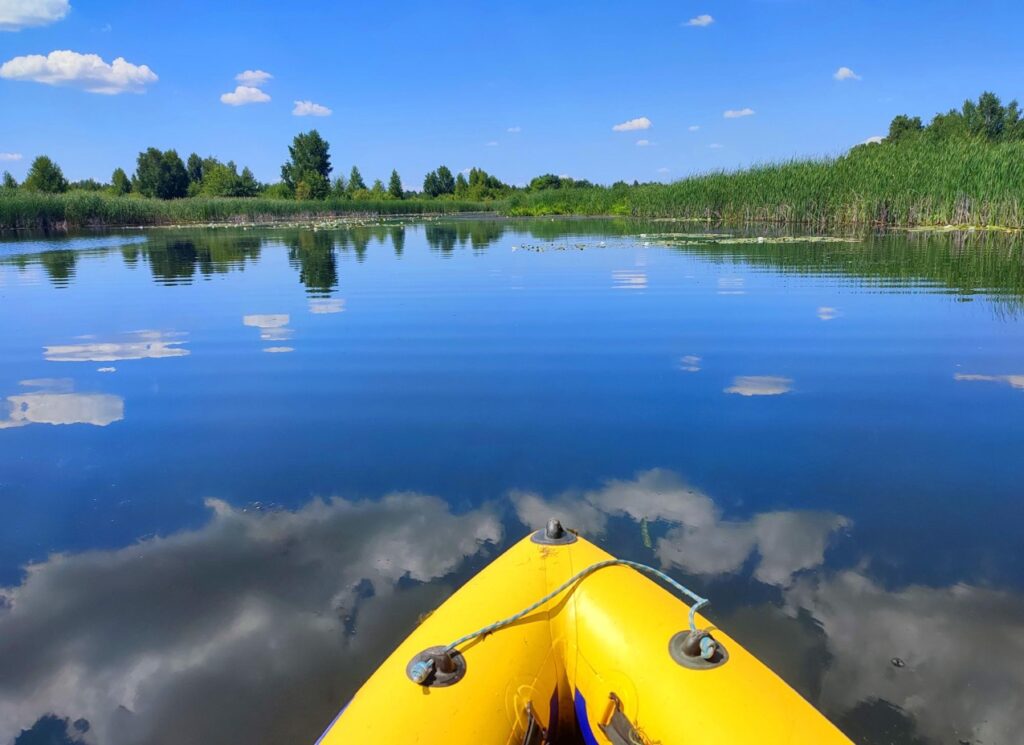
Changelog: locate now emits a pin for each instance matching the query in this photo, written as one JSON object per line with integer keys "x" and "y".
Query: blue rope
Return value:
{"x": 699, "y": 602}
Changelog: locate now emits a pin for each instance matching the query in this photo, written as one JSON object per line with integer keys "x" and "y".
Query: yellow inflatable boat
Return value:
{"x": 556, "y": 641}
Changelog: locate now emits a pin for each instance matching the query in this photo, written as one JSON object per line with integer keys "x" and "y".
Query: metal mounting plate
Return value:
{"x": 675, "y": 649}
{"x": 439, "y": 679}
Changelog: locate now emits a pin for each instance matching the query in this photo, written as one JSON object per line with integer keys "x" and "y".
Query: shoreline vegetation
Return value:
{"x": 965, "y": 169}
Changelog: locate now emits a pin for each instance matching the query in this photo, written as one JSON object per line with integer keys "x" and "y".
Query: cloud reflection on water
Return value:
{"x": 699, "y": 540}
{"x": 56, "y": 404}
{"x": 137, "y": 345}
{"x": 962, "y": 645}
{"x": 248, "y": 629}
{"x": 1014, "y": 381}
{"x": 760, "y": 385}
{"x": 257, "y": 625}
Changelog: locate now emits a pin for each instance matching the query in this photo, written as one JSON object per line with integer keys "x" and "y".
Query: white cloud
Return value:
{"x": 641, "y": 122}
{"x": 825, "y": 313}
{"x": 18, "y": 14}
{"x": 716, "y": 146}
{"x": 693, "y": 127}
{"x": 737, "y": 113}
{"x": 643, "y": 143}
{"x": 845, "y": 73}
{"x": 492, "y": 143}
{"x": 254, "y": 78}
{"x": 873, "y": 140}
{"x": 87, "y": 71}
{"x": 663, "y": 169}
{"x": 10, "y": 156}
{"x": 514, "y": 130}
{"x": 308, "y": 108}
{"x": 244, "y": 94}
{"x": 760, "y": 385}
{"x": 700, "y": 21}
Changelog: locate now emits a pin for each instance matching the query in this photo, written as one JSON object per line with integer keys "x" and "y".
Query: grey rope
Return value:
{"x": 698, "y": 603}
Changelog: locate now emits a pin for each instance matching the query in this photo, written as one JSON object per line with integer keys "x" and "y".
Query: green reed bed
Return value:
{"x": 23, "y": 209}
{"x": 963, "y": 182}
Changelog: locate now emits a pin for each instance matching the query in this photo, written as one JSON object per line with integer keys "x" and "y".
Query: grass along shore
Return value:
{"x": 20, "y": 209}
{"x": 906, "y": 184}
{"x": 900, "y": 184}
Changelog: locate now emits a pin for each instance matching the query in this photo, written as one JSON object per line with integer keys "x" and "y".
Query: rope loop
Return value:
{"x": 698, "y": 601}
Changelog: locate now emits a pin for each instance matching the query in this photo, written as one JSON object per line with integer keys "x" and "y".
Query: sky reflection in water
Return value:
{"x": 219, "y": 544}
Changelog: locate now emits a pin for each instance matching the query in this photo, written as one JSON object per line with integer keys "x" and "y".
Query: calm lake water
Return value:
{"x": 237, "y": 465}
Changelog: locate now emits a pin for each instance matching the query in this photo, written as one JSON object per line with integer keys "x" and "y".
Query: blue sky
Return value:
{"x": 516, "y": 88}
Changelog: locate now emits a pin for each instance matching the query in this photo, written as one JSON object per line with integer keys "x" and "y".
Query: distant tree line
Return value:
{"x": 162, "y": 174}
{"x": 986, "y": 119}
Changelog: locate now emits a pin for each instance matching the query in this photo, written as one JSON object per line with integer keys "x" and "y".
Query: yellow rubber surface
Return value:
{"x": 608, "y": 634}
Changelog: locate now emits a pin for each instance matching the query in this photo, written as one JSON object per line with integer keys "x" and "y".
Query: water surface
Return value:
{"x": 237, "y": 465}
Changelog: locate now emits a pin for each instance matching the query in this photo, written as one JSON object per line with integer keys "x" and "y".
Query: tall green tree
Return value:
{"x": 902, "y": 127}
{"x": 160, "y": 174}
{"x": 9, "y": 181}
{"x": 439, "y": 182}
{"x": 120, "y": 184}
{"x": 461, "y": 186}
{"x": 355, "y": 181}
{"x": 445, "y": 180}
{"x": 194, "y": 168}
{"x": 45, "y": 175}
{"x": 395, "y": 186}
{"x": 309, "y": 163}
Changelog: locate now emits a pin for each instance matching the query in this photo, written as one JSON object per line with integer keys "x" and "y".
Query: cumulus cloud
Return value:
{"x": 737, "y": 113}
{"x": 10, "y": 156}
{"x": 643, "y": 143}
{"x": 845, "y": 73}
{"x": 139, "y": 345}
{"x": 700, "y": 21}
{"x": 204, "y": 635}
{"x": 514, "y": 130}
{"x": 254, "y": 78}
{"x": 86, "y": 71}
{"x": 693, "y": 127}
{"x": 244, "y": 94}
{"x": 641, "y": 122}
{"x": 876, "y": 139}
{"x": 18, "y": 14}
{"x": 308, "y": 108}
